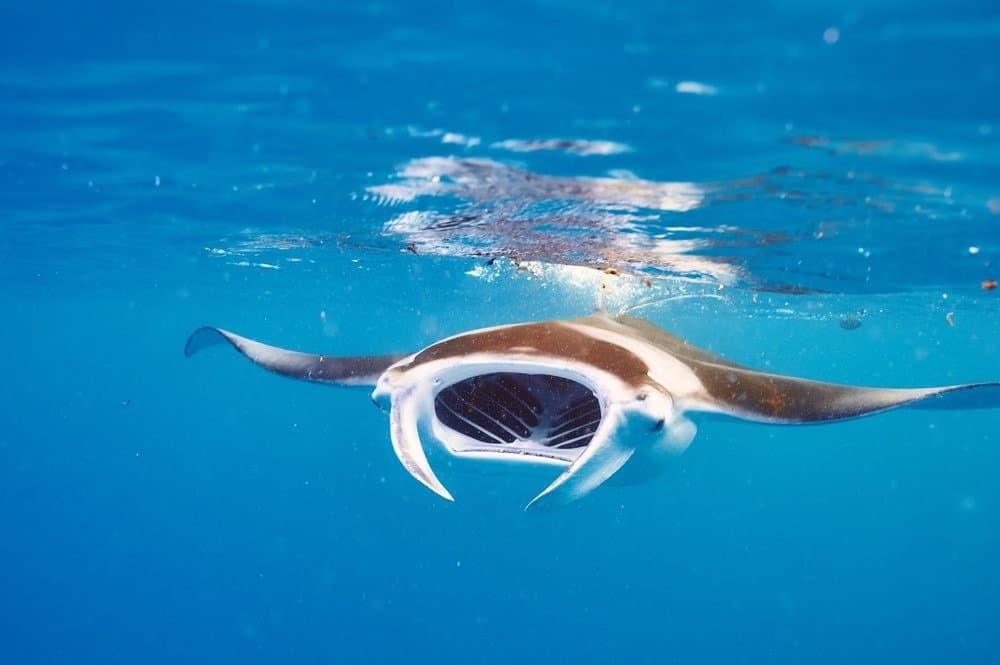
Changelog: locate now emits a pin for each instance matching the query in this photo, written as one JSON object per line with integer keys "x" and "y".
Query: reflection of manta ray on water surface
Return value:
{"x": 585, "y": 394}
{"x": 735, "y": 231}
{"x": 598, "y": 222}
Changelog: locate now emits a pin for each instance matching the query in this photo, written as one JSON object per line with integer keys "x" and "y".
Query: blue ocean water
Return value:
{"x": 810, "y": 188}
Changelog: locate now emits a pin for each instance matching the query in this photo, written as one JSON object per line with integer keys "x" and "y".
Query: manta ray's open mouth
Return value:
{"x": 505, "y": 408}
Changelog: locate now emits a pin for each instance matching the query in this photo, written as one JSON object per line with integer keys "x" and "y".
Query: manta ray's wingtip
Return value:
{"x": 203, "y": 338}
{"x": 983, "y": 395}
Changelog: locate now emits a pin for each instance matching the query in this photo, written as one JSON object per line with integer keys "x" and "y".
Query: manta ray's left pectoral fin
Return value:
{"x": 761, "y": 396}
{"x": 338, "y": 370}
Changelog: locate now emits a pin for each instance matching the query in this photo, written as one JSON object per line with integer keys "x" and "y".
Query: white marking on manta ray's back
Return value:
{"x": 672, "y": 374}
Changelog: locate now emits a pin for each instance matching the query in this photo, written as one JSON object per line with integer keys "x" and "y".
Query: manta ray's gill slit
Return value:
{"x": 502, "y": 407}
{"x": 459, "y": 409}
{"x": 478, "y": 394}
{"x": 590, "y": 416}
{"x": 575, "y": 426}
{"x": 567, "y": 436}
{"x": 578, "y": 411}
{"x": 515, "y": 415}
{"x": 454, "y": 420}
{"x": 525, "y": 402}
{"x": 579, "y": 439}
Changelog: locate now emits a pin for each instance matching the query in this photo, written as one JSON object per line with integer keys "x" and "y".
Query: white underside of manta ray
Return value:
{"x": 584, "y": 394}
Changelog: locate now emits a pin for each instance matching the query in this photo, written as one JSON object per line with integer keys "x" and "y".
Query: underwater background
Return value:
{"x": 805, "y": 187}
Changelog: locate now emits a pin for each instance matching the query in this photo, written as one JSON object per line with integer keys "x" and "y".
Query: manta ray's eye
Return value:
{"x": 507, "y": 407}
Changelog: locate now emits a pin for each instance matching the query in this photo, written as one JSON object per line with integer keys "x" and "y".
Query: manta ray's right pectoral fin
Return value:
{"x": 337, "y": 370}
{"x": 775, "y": 398}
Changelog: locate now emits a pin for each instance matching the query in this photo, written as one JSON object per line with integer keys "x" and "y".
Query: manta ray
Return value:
{"x": 585, "y": 394}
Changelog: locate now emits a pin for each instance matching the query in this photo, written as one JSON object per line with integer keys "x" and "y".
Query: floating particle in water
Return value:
{"x": 850, "y": 321}
{"x": 968, "y": 504}
{"x": 460, "y": 139}
{"x": 950, "y": 318}
{"x": 831, "y": 35}
{"x": 574, "y": 146}
{"x": 696, "y": 88}
{"x": 989, "y": 284}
